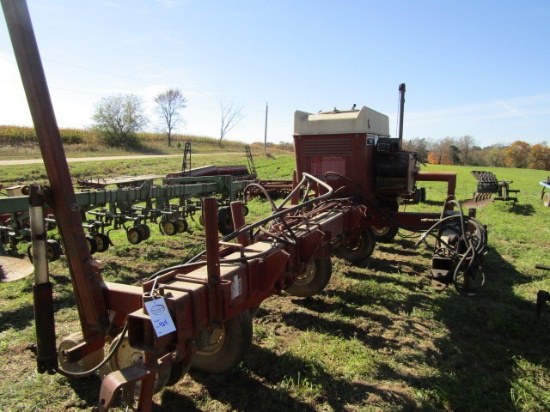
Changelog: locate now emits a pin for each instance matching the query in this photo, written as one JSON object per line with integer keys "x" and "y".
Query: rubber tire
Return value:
{"x": 235, "y": 341}
{"x": 361, "y": 250}
{"x": 313, "y": 280}
{"x": 225, "y": 221}
{"x": 389, "y": 233}
{"x": 53, "y": 250}
{"x": 182, "y": 225}
{"x": 169, "y": 227}
{"x": 83, "y": 365}
{"x": 133, "y": 235}
{"x": 102, "y": 241}
{"x": 144, "y": 231}
{"x": 92, "y": 245}
{"x": 126, "y": 356}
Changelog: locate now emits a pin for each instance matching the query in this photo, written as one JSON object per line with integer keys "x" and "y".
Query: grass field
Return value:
{"x": 379, "y": 338}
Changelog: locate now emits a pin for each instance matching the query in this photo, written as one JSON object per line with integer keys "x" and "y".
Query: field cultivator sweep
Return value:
{"x": 349, "y": 180}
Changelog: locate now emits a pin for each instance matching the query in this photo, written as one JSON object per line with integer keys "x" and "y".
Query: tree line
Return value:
{"x": 465, "y": 151}
{"x": 120, "y": 117}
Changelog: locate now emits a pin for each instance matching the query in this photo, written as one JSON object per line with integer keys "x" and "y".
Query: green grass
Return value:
{"x": 379, "y": 338}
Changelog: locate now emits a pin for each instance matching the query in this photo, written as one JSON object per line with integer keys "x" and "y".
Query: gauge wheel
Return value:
{"x": 85, "y": 364}
{"x": 226, "y": 347}
{"x": 225, "y": 221}
{"x": 182, "y": 225}
{"x": 144, "y": 231}
{"x": 53, "y": 250}
{"x": 92, "y": 245}
{"x": 126, "y": 355}
{"x": 133, "y": 236}
{"x": 169, "y": 227}
{"x": 103, "y": 242}
{"x": 385, "y": 234}
{"x": 313, "y": 279}
{"x": 468, "y": 282}
{"x": 359, "y": 249}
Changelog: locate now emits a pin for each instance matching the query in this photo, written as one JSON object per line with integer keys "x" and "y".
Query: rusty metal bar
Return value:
{"x": 237, "y": 213}
{"x": 86, "y": 279}
{"x": 210, "y": 213}
{"x": 449, "y": 177}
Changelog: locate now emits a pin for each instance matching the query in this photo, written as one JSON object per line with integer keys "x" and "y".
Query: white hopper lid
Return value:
{"x": 365, "y": 120}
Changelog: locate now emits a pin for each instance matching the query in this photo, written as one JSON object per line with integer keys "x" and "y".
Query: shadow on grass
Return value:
{"x": 18, "y": 319}
{"x": 478, "y": 363}
{"x": 267, "y": 381}
{"x": 488, "y": 334}
{"x": 87, "y": 389}
{"x": 523, "y": 210}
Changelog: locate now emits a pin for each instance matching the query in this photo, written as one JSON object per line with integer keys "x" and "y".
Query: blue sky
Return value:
{"x": 478, "y": 68}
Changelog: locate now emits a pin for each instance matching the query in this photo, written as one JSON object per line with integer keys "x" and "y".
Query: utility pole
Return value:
{"x": 265, "y": 131}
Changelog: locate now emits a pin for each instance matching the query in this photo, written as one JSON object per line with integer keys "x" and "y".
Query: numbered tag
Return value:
{"x": 160, "y": 317}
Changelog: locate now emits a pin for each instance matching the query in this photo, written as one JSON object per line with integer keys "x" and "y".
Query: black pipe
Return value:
{"x": 46, "y": 351}
{"x": 401, "y": 112}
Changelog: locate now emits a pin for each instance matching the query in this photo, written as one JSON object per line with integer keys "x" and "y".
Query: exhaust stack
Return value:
{"x": 401, "y": 112}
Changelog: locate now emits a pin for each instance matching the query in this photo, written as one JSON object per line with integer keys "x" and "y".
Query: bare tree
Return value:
{"x": 419, "y": 146}
{"x": 231, "y": 115}
{"x": 169, "y": 106}
{"x": 466, "y": 145}
{"x": 442, "y": 152}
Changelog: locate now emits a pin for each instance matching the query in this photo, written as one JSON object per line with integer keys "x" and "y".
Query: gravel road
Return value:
{"x": 80, "y": 159}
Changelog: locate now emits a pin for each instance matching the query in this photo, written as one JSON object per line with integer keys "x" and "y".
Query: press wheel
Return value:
{"x": 358, "y": 249}
{"x": 313, "y": 279}
{"x": 227, "y": 345}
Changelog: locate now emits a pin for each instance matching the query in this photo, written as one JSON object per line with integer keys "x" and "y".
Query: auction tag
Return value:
{"x": 160, "y": 317}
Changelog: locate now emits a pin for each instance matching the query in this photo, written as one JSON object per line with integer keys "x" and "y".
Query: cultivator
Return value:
{"x": 133, "y": 206}
{"x": 350, "y": 178}
{"x": 488, "y": 185}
